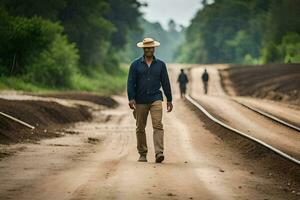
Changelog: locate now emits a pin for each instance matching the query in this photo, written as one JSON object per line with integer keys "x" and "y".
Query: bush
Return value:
{"x": 270, "y": 53}
{"x": 22, "y": 40}
{"x": 290, "y": 48}
{"x": 55, "y": 66}
{"x": 37, "y": 50}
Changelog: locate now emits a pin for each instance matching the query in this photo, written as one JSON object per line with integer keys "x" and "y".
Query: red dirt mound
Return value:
{"x": 280, "y": 82}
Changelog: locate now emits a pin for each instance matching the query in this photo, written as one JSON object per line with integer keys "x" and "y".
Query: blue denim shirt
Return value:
{"x": 144, "y": 82}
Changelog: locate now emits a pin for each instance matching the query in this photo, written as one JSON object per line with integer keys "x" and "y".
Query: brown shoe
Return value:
{"x": 142, "y": 158}
{"x": 159, "y": 158}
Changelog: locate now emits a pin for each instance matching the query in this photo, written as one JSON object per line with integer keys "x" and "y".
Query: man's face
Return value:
{"x": 148, "y": 51}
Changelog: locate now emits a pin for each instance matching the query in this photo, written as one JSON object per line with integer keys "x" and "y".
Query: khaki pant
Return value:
{"x": 141, "y": 114}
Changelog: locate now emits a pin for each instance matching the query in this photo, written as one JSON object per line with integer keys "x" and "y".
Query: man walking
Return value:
{"x": 182, "y": 80}
{"x": 205, "y": 78}
{"x": 146, "y": 76}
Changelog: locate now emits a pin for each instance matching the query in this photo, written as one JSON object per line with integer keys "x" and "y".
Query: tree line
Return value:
{"x": 47, "y": 42}
{"x": 243, "y": 31}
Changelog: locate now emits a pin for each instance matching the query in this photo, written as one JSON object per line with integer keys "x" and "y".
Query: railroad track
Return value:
{"x": 269, "y": 116}
{"x": 271, "y": 148}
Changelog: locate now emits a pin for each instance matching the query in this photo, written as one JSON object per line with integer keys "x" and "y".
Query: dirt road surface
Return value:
{"x": 99, "y": 161}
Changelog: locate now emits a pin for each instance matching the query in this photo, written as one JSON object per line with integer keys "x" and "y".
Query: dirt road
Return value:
{"x": 98, "y": 161}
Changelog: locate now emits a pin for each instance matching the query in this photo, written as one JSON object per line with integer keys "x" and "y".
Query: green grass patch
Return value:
{"x": 100, "y": 82}
{"x": 18, "y": 83}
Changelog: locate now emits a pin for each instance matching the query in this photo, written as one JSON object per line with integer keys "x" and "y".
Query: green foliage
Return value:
{"x": 237, "y": 31}
{"x": 270, "y": 53}
{"x": 55, "y": 66}
{"x": 281, "y": 19}
{"x": 30, "y": 8}
{"x": 124, "y": 15}
{"x": 22, "y": 40}
{"x": 290, "y": 48}
{"x": 36, "y": 49}
{"x": 18, "y": 83}
{"x": 101, "y": 82}
{"x": 85, "y": 25}
{"x": 55, "y": 44}
{"x": 249, "y": 60}
{"x": 240, "y": 45}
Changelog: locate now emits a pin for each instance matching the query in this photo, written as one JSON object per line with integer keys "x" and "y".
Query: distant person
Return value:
{"x": 146, "y": 76}
{"x": 182, "y": 80}
{"x": 205, "y": 78}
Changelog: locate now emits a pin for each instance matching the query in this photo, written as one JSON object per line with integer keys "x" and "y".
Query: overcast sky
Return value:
{"x": 182, "y": 11}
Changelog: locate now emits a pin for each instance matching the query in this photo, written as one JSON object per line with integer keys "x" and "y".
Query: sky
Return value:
{"x": 181, "y": 11}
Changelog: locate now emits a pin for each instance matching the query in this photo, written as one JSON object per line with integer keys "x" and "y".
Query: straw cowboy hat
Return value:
{"x": 148, "y": 42}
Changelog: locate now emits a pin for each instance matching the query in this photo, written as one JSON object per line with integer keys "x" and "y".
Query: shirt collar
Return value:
{"x": 143, "y": 59}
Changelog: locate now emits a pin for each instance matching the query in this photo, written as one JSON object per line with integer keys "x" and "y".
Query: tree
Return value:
{"x": 36, "y": 49}
{"x": 85, "y": 25}
{"x": 30, "y": 8}
{"x": 99, "y": 28}
{"x": 228, "y": 31}
{"x": 123, "y": 14}
{"x": 22, "y": 39}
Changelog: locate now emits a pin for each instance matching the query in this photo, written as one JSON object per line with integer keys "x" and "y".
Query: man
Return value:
{"x": 182, "y": 80}
{"x": 146, "y": 76}
{"x": 205, "y": 79}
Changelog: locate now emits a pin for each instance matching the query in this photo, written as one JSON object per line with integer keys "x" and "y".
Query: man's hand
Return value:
{"x": 132, "y": 104}
{"x": 169, "y": 106}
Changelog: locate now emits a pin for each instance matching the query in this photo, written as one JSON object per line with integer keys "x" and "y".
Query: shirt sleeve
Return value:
{"x": 165, "y": 82}
{"x": 131, "y": 82}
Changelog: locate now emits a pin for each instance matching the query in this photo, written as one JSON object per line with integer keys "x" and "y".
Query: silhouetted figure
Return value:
{"x": 182, "y": 80}
{"x": 205, "y": 78}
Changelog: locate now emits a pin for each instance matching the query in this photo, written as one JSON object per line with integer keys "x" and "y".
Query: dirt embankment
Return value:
{"x": 46, "y": 116}
{"x": 94, "y": 98}
{"x": 279, "y": 82}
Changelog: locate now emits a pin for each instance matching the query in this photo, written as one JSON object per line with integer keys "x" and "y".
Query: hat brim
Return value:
{"x": 152, "y": 44}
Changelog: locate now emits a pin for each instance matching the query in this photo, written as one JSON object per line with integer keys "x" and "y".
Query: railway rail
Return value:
{"x": 260, "y": 142}
{"x": 267, "y": 115}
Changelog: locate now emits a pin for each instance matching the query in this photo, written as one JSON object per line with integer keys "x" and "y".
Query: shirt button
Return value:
{"x": 148, "y": 79}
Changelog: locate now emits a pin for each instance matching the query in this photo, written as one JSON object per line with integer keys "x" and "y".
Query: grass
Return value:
{"x": 17, "y": 83}
{"x": 100, "y": 82}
